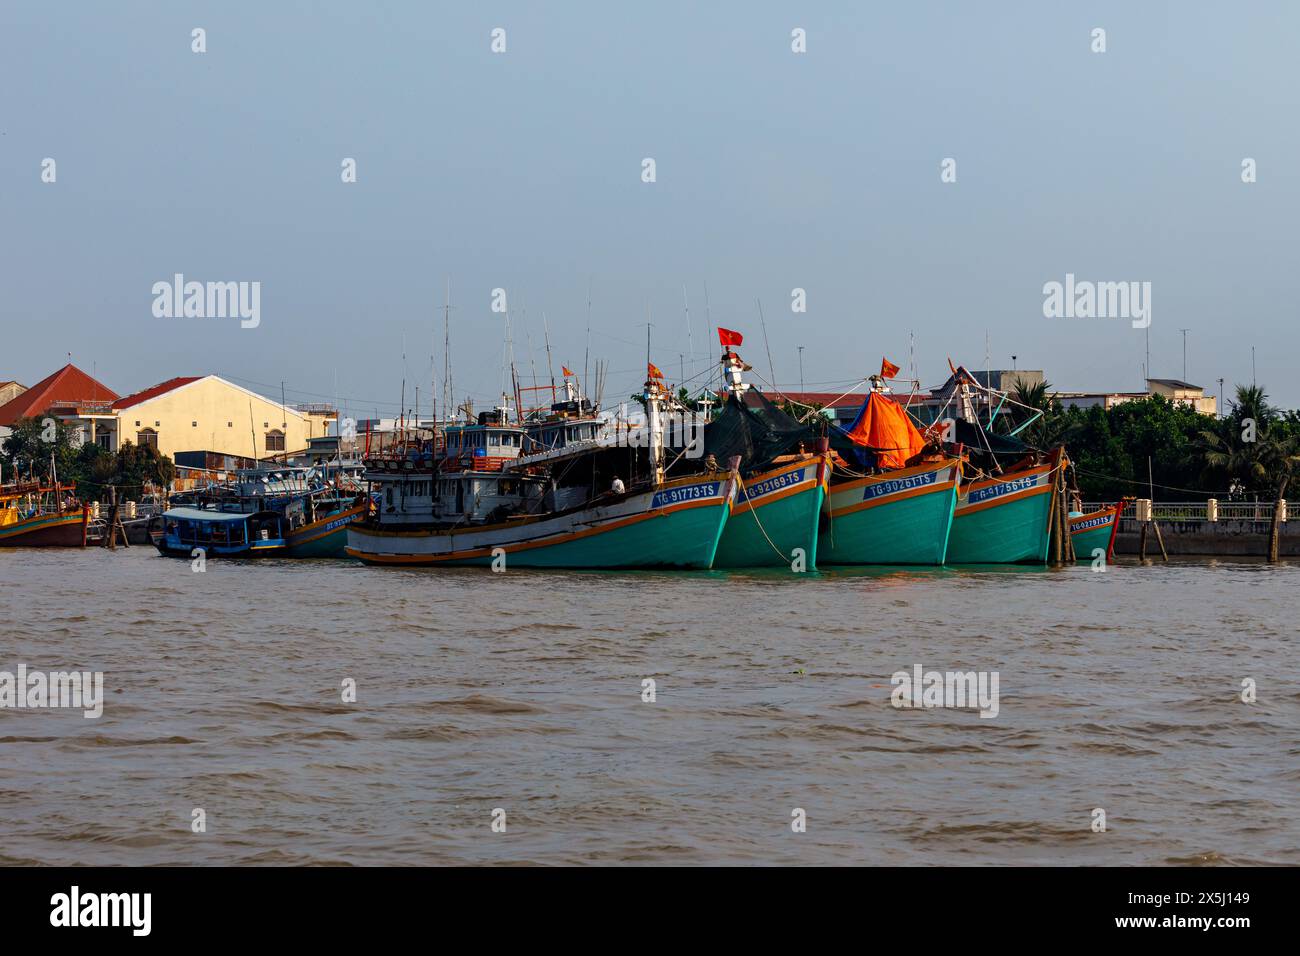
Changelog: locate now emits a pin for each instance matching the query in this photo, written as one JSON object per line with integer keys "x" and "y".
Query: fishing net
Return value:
{"x": 756, "y": 430}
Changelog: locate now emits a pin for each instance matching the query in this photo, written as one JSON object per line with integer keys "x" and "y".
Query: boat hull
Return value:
{"x": 774, "y": 520}
{"x": 677, "y": 525}
{"x": 1004, "y": 520}
{"x": 273, "y": 548}
{"x": 1095, "y": 532}
{"x": 47, "y": 531}
{"x": 326, "y": 538}
{"x": 898, "y": 517}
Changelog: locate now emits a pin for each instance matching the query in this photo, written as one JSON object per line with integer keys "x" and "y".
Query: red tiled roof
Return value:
{"x": 69, "y": 385}
{"x": 834, "y": 399}
{"x": 154, "y": 392}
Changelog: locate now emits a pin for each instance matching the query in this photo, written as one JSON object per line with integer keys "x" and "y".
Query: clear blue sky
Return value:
{"x": 523, "y": 170}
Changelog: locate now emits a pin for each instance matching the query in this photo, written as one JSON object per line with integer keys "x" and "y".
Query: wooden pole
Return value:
{"x": 1056, "y": 528}
{"x": 112, "y": 518}
{"x": 1275, "y": 530}
{"x": 1159, "y": 539}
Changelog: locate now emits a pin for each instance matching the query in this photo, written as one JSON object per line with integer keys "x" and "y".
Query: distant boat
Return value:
{"x": 1096, "y": 531}
{"x": 33, "y": 515}
{"x": 284, "y": 512}
{"x": 221, "y": 534}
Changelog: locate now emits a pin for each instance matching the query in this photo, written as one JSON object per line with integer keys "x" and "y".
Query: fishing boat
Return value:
{"x": 36, "y": 515}
{"x": 1007, "y": 488}
{"x": 285, "y": 512}
{"x": 1095, "y": 531}
{"x": 493, "y": 493}
{"x": 774, "y": 520}
{"x": 900, "y": 516}
{"x": 891, "y": 492}
{"x": 1006, "y": 518}
{"x": 187, "y": 531}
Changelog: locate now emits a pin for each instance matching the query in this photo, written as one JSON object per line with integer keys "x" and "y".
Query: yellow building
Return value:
{"x": 1182, "y": 393}
{"x": 207, "y": 413}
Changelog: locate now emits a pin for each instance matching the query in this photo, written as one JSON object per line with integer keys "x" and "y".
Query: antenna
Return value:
{"x": 587, "y": 353}
{"x": 447, "y": 393}
{"x": 771, "y": 368}
{"x": 690, "y": 348}
{"x": 550, "y": 369}
{"x": 708, "y": 316}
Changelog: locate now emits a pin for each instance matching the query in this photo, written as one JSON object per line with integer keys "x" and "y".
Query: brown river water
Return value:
{"x": 522, "y": 692}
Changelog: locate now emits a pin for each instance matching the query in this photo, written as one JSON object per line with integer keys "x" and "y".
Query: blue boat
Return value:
{"x": 313, "y": 514}
{"x": 225, "y": 533}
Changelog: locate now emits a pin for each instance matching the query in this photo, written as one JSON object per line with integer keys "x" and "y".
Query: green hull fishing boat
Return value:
{"x": 1095, "y": 532}
{"x": 896, "y": 517}
{"x": 1007, "y": 519}
{"x": 774, "y": 520}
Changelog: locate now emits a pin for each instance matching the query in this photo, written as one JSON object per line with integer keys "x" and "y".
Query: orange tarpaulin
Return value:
{"x": 883, "y": 426}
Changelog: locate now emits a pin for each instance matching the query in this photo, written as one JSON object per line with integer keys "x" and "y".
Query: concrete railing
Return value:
{"x": 1144, "y": 509}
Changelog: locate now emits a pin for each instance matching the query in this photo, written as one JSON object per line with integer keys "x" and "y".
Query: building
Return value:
{"x": 1175, "y": 390}
{"x": 839, "y": 408}
{"x": 71, "y": 396}
{"x": 212, "y": 416}
{"x": 9, "y": 391}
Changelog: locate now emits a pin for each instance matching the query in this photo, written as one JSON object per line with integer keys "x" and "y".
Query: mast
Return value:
{"x": 654, "y": 421}
{"x": 550, "y": 369}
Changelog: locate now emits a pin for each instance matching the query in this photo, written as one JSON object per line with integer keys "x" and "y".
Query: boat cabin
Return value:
{"x": 222, "y": 533}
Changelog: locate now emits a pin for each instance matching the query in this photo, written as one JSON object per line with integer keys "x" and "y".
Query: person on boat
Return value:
{"x": 617, "y": 486}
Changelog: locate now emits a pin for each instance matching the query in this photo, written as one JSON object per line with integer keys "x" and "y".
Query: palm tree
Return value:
{"x": 1282, "y": 456}
{"x": 1049, "y": 429}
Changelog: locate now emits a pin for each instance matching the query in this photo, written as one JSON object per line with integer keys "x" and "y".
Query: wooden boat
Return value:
{"x": 891, "y": 494}
{"x": 327, "y": 536}
{"x": 1006, "y": 519}
{"x": 545, "y": 495}
{"x": 900, "y": 516}
{"x": 221, "y": 534}
{"x": 776, "y": 515}
{"x": 673, "y": 525}
{"x": 33, "y": 515}
{"x": 267, "y": 511}
{"x": 1095, "y": 532}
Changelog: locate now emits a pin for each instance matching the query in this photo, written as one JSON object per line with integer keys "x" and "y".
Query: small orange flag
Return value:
{"x": 566, "y": 370}
{"x": 887, "y": 368}
{"x": 652, "y": 370}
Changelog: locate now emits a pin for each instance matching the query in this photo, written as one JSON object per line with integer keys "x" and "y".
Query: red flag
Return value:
{"x": 652, "y": 370}
{"x": 729, "y": 338}
{"x": 566, "y": 370}
{"x": 887, "y": 368}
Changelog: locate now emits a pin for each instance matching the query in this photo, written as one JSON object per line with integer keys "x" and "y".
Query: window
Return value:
{"x": 146, "y": 436}
{"x": 230, "y": 424}
{"x": 137, "y": 424}
{"x": 275, "y": 441}
{"x": 194, "y": 424}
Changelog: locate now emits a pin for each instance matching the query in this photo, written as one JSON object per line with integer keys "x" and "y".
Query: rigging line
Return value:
{"x": 1132, "y": 481}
